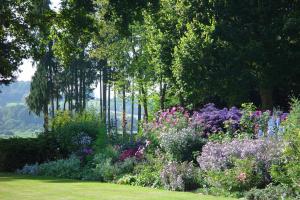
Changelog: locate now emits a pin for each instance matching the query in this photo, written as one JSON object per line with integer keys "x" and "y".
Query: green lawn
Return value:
{"x": 14, "y": 187}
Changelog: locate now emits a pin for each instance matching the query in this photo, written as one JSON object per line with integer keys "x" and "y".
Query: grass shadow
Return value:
{"x": 6, "y": 177}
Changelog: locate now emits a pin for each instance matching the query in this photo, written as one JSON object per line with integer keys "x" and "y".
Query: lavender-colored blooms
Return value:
{"x": 218, "y": 156}
{"x": 175, "y": 176}
{"x": 213, "y": 119}
{"x": 87, "y": 151}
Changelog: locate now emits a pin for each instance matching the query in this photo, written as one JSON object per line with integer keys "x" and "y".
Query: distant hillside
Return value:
{"x": 14, "y": 93}
{"x": 16, "y": 120}
{"x": 14, "y": 114}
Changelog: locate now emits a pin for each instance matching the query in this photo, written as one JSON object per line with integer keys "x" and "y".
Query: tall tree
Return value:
{"x": 39, "y": 96}
{"x": 18, "y": 29}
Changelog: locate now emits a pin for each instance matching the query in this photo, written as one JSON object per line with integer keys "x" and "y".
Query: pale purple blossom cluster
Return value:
{"x": 82, "y": 139}
{"x": 83, "y": 142}
{"x": 219, "y": 156}
{"x": 213, "y": 120}
{"x": 176, "y": 176}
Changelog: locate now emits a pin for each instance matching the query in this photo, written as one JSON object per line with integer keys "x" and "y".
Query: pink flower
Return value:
{"x": 148, "y": 142}
{"x": 242, "y": 177}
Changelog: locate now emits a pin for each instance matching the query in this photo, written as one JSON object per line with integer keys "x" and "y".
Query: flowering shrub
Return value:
{"x": 219, "y": 156}
{"x": 244, "y": 175}
{"x": 180, "y": 176}
{"x": 148, "y": 172}
{"x": 181, "y": 144}
{"x": 213, "y": 120}
{"x": 288, "y": 170}
{"x": 29, "y": 169}
{"x": 271, "y": 192}
{"x": 175, "y": 117}
{"x": 137, "y": 151}
{"x": 258, "y": 124}
{"x": 68, "y": 168}
{"x": 73, "y": 131}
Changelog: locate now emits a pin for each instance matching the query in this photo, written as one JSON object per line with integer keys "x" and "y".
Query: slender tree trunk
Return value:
{"x": 57, "y": 103}
{"x": 84, "y": 90}
{"x": 101, "y": 103}
{"x": 108, "y": 105}
{"x": 76, "y": 87}
{"x": 145, "y": 103}
{"x": 266, "y": 96}
{"x": 52, "y": 106}
{"x": 115, "y": 104}
{"x": 80, "y": 104}
{"x": 139, "y": 111}
{"x": 163, "y": 96}
{"x": 51, "y": 91}
{"x": 104, "y": 93}
{"x": 46, "y": 118}
{"x": 71, "y": 96}
{"x": 132, "y": 110}
{"x": 65, "y": 102}
{"x": 124, "y": 121}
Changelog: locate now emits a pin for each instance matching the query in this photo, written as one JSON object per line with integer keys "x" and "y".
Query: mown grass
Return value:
{"x": 15, "y": 187}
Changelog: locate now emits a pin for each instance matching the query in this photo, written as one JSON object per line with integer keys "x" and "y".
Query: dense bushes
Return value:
{"x": 16, "y": 152}
{"x": 227, "y": 152}
{"x": 70, "y": 128}
{"x": 288, "y": 170}
{"x": 271, "y": 192}
{"x": 180, "y": 176}
{"x": 219, "y": 156}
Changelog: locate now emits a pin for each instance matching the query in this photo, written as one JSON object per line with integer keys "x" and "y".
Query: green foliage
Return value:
{"x": 104, "y": 168}
{"x": 180, "y": 176}
{"x": 288, "y": 170}
{"x": 242, "y": 177}
{"x": 147, "y": 173}
{"x": 18, "y": 20}
{"x": 66, "y": 126}
{"x": 271, "y": 192}
{"x": 181, "y": 144}
{"x": 107, "y": 170}
{"x": 16, "y": 152}
{"x": 127, "y": 180}
{"x": 64, "y": 168}
{"x": 246, "y": 121}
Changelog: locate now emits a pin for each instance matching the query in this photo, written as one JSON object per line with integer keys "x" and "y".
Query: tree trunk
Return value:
{"x": 76, "y": 88}
{"x": 266, "y": 96}
{"x": 80, "y": 97}
{"x": 162, "y": 96}
{"x": 145, "y": 103}
{"x": 101, "y": 103}
{"x": 132, "y": 111}
{"x": 57, "y": 102}
{"x": 65, "y": 102}
{"x": 115, "y": 104}
{"x": 84, "y": 91}
{"x": 52, "y": 106}
{"x": 108, "y": 106}
{"x": 46, "y": 118}
{"x": 104, "y": 93}
{"x": 139, "y": 111}
{"x": 124, "y": 121}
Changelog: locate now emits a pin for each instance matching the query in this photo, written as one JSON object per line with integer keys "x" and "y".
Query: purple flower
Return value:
{"x": 88, "y": 151}
{"x": 218, "y": 156}
{"x": 213, "y": 119}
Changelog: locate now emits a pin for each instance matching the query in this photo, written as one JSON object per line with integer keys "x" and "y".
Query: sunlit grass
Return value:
{"x": 14, "y": 187}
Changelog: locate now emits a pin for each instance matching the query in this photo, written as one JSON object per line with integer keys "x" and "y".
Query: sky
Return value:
{"x": 28, "y": 68}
